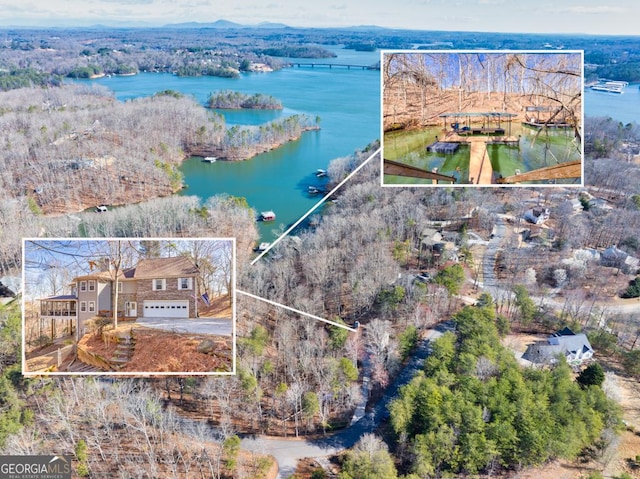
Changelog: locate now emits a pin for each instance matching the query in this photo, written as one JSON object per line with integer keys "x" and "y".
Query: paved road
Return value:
{"x": 489, "y": 279}
{"x": 288, "y": 451}
{"x": 217, "y": 326}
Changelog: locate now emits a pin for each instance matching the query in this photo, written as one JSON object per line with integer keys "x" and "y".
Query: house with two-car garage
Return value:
{"x": 154, "y": 288}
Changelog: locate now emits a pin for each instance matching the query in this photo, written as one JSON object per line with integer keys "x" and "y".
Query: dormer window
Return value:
{"x": 185, "y": 283}
{"x": 159, "y": 284}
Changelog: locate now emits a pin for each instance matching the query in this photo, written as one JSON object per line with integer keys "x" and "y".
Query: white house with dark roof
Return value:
{"x": 536, "y": 215}
{"x": 574, "y": 347}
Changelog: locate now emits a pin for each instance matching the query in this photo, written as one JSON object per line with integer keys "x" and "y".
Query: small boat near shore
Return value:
{"x": 321, "y": 173}
{"x": 209, "y": 159}
{"x": 267, "y": 216}
{"x": 262, "y": 247}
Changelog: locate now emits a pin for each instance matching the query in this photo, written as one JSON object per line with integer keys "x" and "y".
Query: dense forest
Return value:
{"x": 228, "y": 52}
{"x": 419, "y": 87}
{"x": 298, "y": 376}
{"x": 475, "y": 410}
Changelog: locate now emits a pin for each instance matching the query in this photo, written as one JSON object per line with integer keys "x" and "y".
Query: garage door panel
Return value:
{"x": 166, "y": 309}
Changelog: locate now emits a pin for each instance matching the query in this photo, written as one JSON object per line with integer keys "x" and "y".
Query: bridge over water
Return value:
{"x": 335, "y": 65}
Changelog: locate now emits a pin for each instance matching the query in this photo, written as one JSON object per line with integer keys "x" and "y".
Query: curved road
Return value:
{"x": 288, "y": 451}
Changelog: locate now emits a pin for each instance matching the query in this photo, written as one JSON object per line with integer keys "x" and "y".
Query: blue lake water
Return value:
{"x": 623, "y": 107}
{"x": 346, "y": 100}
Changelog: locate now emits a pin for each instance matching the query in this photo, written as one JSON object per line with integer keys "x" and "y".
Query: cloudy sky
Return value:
{"x": 543, "y": 16}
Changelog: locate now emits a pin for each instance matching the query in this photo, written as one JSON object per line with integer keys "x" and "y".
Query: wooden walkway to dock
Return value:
{"x": 480, "y": 169}
{"x": 400, "y": 169}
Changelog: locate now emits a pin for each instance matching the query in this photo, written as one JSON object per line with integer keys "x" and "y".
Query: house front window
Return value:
{"x": 119, "y": 286}
{"x": 184, "y": 283}
{"x": 159, "y": 285}
{"x": 92, "y": 306}
{"x": 83, "y": 306}
{"x": 92, "y": 285}
{"x": 83, "y": 285}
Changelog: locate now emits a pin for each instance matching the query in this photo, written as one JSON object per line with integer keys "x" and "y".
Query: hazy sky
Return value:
{"x": 527, "y": 16}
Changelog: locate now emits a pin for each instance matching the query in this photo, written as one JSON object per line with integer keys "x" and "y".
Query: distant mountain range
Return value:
{"x": 226, "y": 24}
{"x": 222, "y": 24}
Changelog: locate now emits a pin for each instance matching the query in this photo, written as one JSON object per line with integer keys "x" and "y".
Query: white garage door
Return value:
{"x": 166, "y": 309}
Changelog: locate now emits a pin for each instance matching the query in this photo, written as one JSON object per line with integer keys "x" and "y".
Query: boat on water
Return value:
{"x": 313, "y": 190}
{"x": 321, "y": 173}
{"x": 610, "y": 86}
{"x": 209, "y": 159}
{"x": 263, "y": 247}
{"x": 267, "y": 216}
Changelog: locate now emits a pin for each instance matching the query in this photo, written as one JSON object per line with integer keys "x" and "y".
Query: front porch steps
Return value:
{"x": 124, "y": 349}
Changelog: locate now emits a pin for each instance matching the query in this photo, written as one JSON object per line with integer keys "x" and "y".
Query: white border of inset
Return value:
{"x": 543, "y": 185}
{"x": 141, "y": 374}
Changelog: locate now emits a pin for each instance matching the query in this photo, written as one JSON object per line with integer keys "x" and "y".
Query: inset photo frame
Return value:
{"x": 482, "y": 118}
{"x": 129, "y": 306}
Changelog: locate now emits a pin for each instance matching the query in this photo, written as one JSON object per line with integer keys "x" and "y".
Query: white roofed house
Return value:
{"x": 574, "y": 347}
{"x": 536, "y": 215}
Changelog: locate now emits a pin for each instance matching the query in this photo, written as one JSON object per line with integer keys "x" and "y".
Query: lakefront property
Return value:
{"x": 131, "y": 306}
{"x": 158, "y": 288}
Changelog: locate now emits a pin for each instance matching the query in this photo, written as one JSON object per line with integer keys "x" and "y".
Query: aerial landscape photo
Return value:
{"x": 221, "y": 256}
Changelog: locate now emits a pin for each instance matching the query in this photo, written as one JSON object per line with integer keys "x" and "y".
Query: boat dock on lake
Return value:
{"x": 610, "y": 86}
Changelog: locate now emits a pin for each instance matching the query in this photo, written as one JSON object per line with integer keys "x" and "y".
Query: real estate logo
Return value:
{"x": 35, "y": 467}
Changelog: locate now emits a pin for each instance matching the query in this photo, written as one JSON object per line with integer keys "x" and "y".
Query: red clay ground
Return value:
{"x": 164, "y": 351}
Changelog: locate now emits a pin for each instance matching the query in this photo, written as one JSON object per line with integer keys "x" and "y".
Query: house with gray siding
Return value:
{"x": 158, "y": 288}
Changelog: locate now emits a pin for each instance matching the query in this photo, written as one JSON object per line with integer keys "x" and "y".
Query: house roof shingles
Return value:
{"x": 563, "y": 342}
{"x": 175, "y": 267}
{"x": 179, "y": 266}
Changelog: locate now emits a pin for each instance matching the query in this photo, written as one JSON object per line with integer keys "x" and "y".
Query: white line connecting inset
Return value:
{"x": 316, "y": 205}
{"x": 302, "y": 313}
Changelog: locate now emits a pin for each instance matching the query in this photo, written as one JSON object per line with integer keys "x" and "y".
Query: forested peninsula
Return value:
{"x": 234, "y": 100}
{"x": 72, "y": 147}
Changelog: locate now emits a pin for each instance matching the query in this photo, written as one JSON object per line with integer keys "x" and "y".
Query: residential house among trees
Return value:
{"x": 537, "y": 215}
{"x": 158, "y": 288}
{"x": 574, "y": 347}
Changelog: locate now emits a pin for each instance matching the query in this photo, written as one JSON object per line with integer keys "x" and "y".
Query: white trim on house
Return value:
{"x": 185, "y": 284}
{"x": 162, "y": 286}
